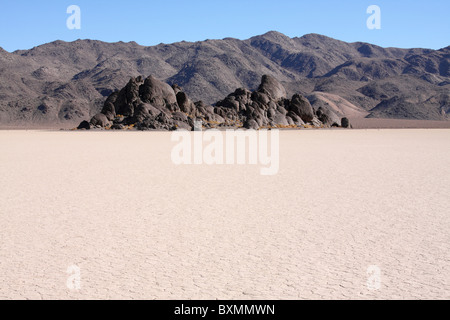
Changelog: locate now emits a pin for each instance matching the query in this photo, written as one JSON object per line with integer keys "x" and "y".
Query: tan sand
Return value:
{"x": 137, "y": 226}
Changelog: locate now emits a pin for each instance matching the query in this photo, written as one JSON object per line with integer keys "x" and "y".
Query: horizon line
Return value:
{"x": 220, "y": 39}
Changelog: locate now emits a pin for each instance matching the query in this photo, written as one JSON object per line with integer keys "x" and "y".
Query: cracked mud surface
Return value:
{"x": 140, "y": 227}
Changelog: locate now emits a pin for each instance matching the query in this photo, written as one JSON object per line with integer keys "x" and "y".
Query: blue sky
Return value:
{"x": 405, "y": 24}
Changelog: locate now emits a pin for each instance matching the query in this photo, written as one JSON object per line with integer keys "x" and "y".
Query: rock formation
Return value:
{"x": 147, "y": 104}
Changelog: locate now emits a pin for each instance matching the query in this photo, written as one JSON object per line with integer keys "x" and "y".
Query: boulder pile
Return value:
{"x": 150, "y": 104}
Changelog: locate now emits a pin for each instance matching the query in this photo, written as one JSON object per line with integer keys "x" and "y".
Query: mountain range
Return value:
{"x": 62, "y": 83}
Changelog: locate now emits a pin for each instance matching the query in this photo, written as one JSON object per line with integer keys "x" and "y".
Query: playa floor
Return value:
{"x": 351, "y": 214}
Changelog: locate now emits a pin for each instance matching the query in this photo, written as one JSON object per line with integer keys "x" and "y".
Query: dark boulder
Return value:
{"x": 125, "y": 101}
{"x": 152, "y": 111}
{"x": 157, "y": 93}
{"x": 280, "y": 119}
{"x": 164, "y": 119}
{"x": 84, "y": 125}
{"x": 260, "y": 97}
{"x": 328, "y": 117}
{"x": 201, "y": 109}
{"x": 176, "y": 88}
{"x": 214, "y": 119}
{"x": 300, "y": 106}
{"x": 109, "y": 110}
{"x": 185, "y": 104}
{"x": 272, "y": 87}
{"x": 112, "y": 98}
{"x": 345, "y": 123}
{"x": 141, "y": 113}
{"x": 296, "y": 118}
{"x": 100, "y": 120}
{"x": 229, "y": 102}
{"x": 251, "y": 124}
{"x": 117, "y": 126}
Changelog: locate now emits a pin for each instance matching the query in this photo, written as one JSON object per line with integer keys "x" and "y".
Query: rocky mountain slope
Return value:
{"x": 64, "y": 83}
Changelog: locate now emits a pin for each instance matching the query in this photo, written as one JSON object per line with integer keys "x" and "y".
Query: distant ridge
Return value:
{"x": 66, "y": 82}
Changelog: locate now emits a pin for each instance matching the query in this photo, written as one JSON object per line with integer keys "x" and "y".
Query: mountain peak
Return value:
{"x": 275, "y": 35}
{"x": 317, "y": 37}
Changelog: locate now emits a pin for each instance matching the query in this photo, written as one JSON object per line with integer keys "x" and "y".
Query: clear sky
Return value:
{"x": 404, "y": 23}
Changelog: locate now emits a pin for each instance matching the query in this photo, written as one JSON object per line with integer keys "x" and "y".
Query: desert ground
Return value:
{"x": 379, "y": 123}
{"x": 137, "y": 226}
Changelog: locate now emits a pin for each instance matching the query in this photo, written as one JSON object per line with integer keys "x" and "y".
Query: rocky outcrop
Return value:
{"x": 150, "y": 104}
